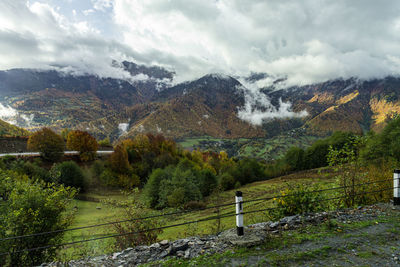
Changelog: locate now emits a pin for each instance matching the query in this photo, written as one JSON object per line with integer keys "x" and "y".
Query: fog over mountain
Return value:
{"x": 305, "y": 41}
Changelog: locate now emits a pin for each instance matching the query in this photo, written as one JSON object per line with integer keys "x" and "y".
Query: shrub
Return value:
{"x": 133, "y": 208}
{"x": 247, "y": 171}
{"x": 386, "y": 144}
{"x": 97, "y": 168}
{"x": 128, "y": 181}
{"x": 315, "y": 156}
{"x": 297, "y": 199}
{"x": 294, "y": 157}
{"x": 48, "y": 143}
{"x": 227, "y": 181}
{"x": 109, "y": 178}
{"x": 69, "y": 173}
{"x": 105, "y": 142}
{"x": 208, "y": 182}
{"x": 84, "y": 143}
{"x": 182, "y": 187}
{"x": 361, "y": 183}
{"x": 36, "y": 172}
{"x": 152, "y": 187}
{"x": 29, "y": 207}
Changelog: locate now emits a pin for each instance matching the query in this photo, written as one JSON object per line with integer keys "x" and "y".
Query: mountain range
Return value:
{"x": 208, "y": 106}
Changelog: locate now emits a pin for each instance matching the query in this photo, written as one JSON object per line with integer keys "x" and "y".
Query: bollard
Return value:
{"x": 396, "y": 191}
{"x": 239, "y": 213}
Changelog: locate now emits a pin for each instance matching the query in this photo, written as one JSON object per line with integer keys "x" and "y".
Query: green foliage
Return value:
{"x": 294, "y": 157}
{"x": 35, "y": 172}
{"x": 28, "y": 207}
{"x": 297, "y": 199}
{"x": 7, "y": 129}
{"x": 152, "y": 188}
{"x": 182, "y": 187}
{"x": 227, "y": 181}
{"x": 315, "y": 156}
{"x": 133, "y": 208}
{"x": 97, "y": 168}
{"x": 105, "y": 142}
{"x": 384, "y": 145}
{"x": 248, "y": 170}
{"x": 48, "y": 143}
{"x": 31, "y": 169}
{"x": 208, "y": 182}
{"x": 358, "y": 180}
{"x": 109, "y": 178}
{"x": 68, "y": 173}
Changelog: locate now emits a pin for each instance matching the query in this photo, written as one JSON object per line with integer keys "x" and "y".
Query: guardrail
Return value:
{"x": 37, "y": 154}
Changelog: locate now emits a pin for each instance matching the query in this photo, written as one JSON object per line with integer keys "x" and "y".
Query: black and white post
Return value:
{"x": 396, "y": 191}
{"x": 239, "y": 213}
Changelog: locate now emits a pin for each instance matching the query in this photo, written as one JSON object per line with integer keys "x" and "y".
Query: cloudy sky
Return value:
{"x": 304, "y": 40}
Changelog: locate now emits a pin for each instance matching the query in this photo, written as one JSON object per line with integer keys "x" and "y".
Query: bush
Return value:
{"x": 152, "y": 187}
{"x": 181, "y": 188}
{"x": 105, "y": 142}
{"x": 29, "y": 207}
{"x": 128, "y": 181}
{"x": 294, "y": 157}
{"x": 227, "y": 181}
{"x": 69, "y": 173}
{"x": 133, "y": 208}
{"x": 316, "y": 155}
{"x": 297, "y": 199}
{"x": 98, "y": 168}
{"x": 384, "y": 145}
{"x": 84, "y": 143}
{"x": 35, "y": 172}
{"x": 247, "y": 171}
{"x": 208, "y": 182}
{"x": 48, "y": 143}
{"x": 109, "y": 178}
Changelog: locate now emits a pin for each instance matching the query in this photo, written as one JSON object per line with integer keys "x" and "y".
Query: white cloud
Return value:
{"x": 12, "y": 116}
{"x": 304, "y": 40}
{"x": 87, "y": 12}
{"x": 123, "y": 128}
{"x": 258, "y": 108}
{"x": 307, "y": 41}
{"x": 102, "y": 5}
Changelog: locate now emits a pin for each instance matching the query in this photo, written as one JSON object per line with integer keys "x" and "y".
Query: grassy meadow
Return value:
{"x": 89, "y": 212}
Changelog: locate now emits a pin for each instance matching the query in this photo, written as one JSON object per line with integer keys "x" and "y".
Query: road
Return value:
{"x": 36, "y": 154}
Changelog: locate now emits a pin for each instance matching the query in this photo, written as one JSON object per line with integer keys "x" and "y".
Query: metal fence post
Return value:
{"x": 239, "y": 213}
{"x": 396, "y": 191}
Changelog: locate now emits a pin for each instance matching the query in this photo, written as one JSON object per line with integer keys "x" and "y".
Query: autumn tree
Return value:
{"x": 119, "y": 159}
{"x": 48, "y": 143}
{"x": 84, "y": 143}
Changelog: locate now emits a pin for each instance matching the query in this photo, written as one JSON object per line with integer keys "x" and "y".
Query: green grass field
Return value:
{"x": 90, "y": 212}
{"x": 261, "y": 148}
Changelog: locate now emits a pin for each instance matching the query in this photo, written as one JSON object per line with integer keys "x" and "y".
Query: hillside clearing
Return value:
{"x": 94, "y": 212}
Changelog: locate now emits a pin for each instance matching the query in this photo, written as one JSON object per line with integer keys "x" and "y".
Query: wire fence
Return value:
{"x": 216, "y": 217}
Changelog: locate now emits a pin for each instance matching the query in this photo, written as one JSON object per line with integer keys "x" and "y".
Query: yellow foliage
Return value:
{"x": 382, "y": 111}
{"x": 347, "y": 98}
